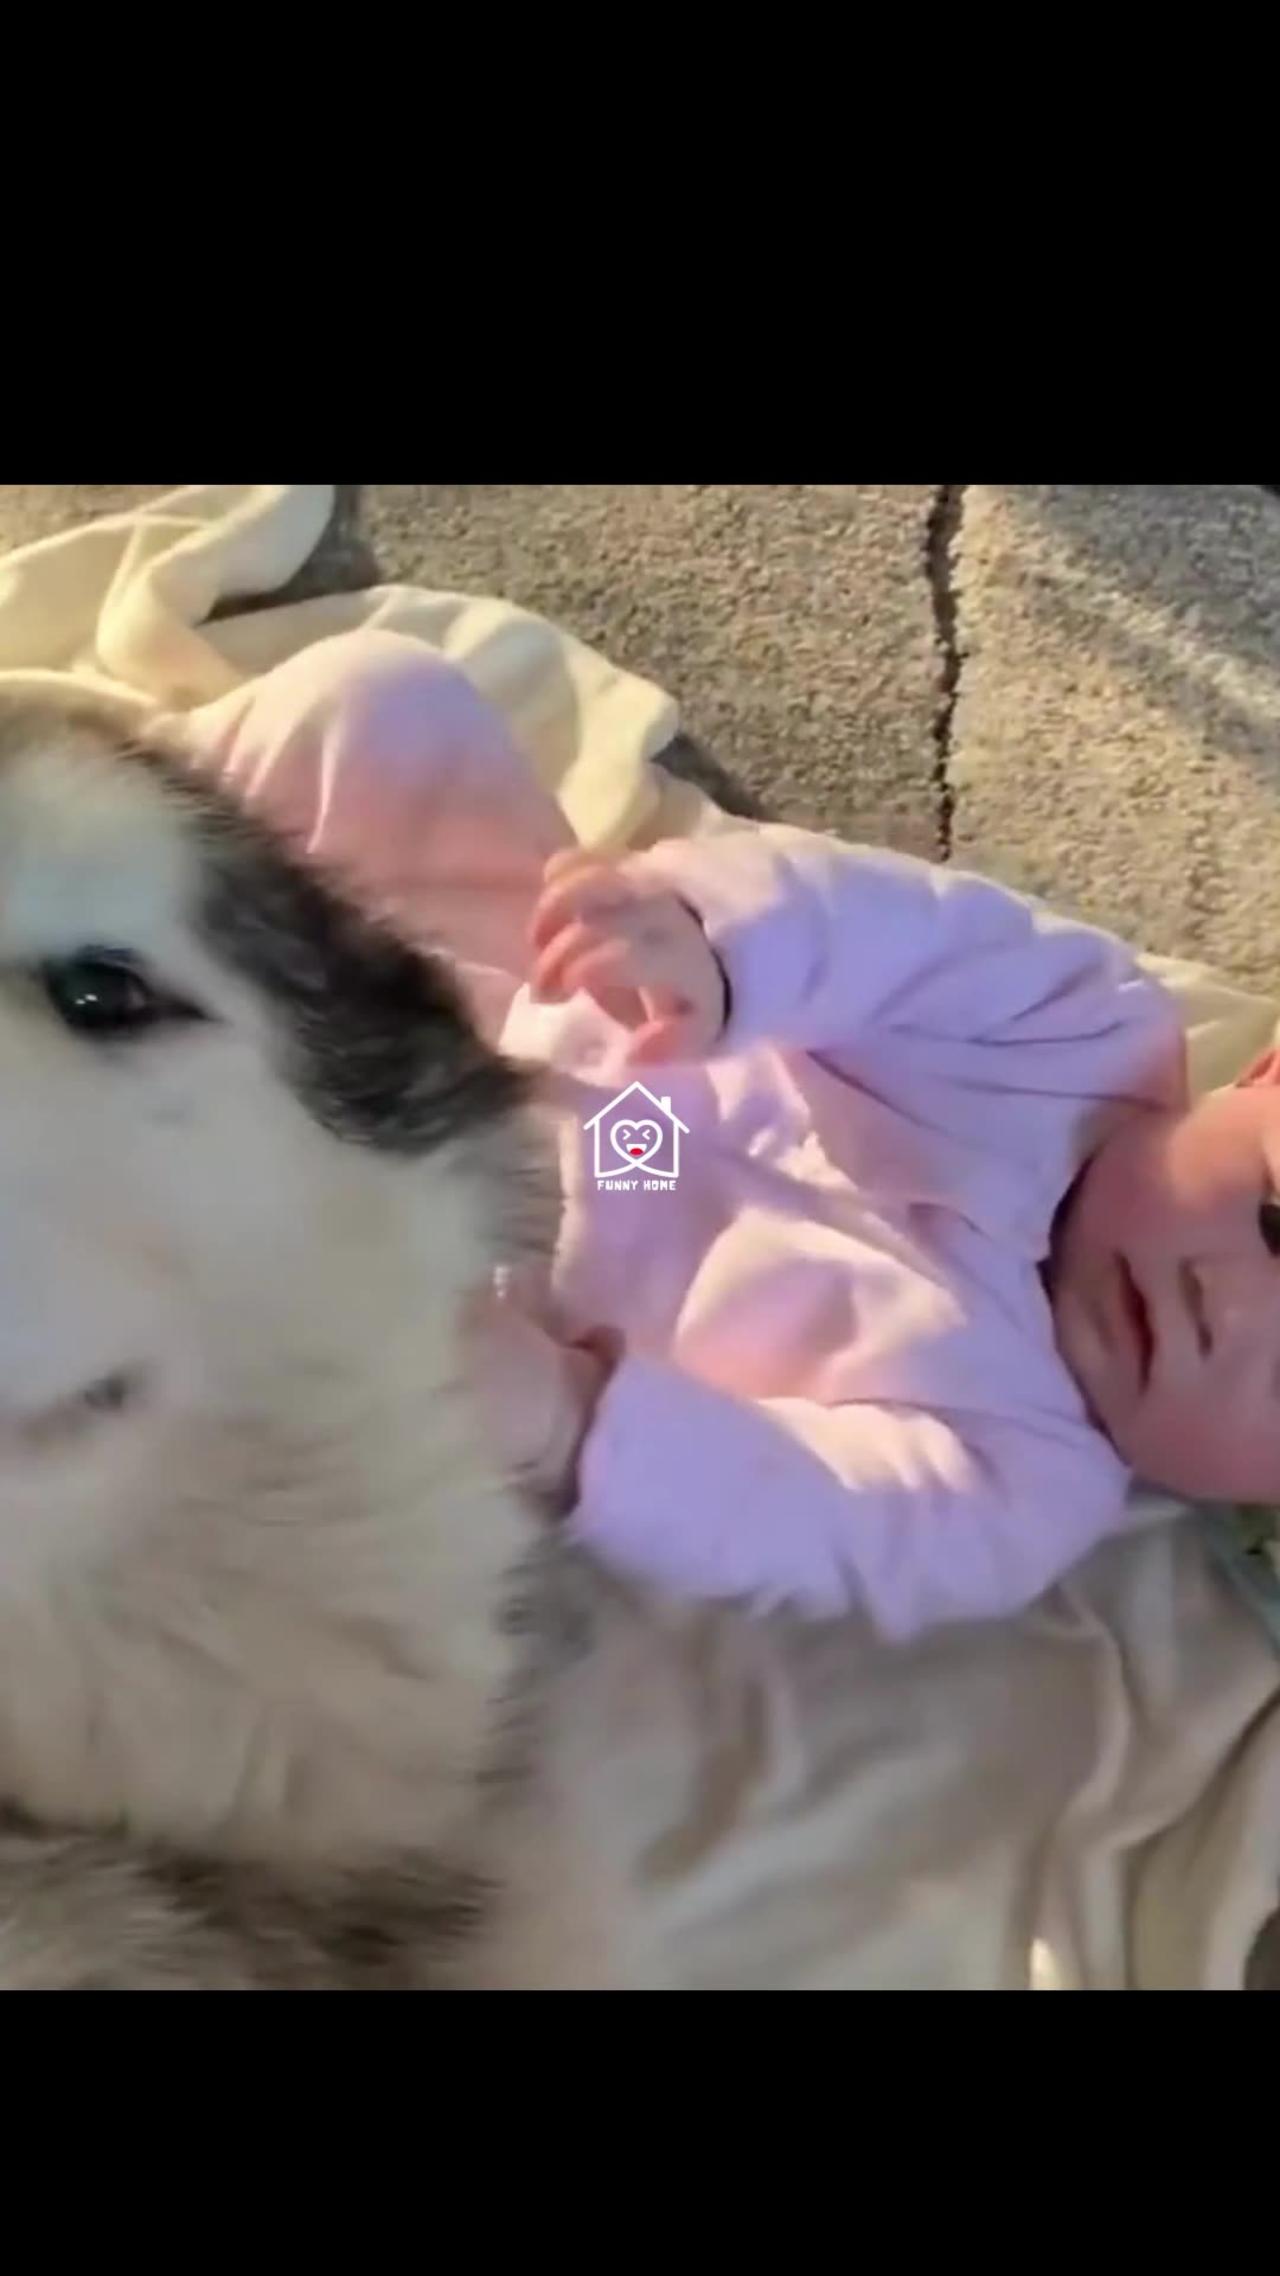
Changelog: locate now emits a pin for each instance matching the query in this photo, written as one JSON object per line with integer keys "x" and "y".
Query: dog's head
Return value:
{"x": 243, "y": 1138}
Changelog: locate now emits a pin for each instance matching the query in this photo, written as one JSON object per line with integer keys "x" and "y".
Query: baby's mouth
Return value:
{"x": 1137, "y": 1319}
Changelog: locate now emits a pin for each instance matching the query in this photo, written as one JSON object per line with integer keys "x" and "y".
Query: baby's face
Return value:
{"x": 1166, "y": 1292}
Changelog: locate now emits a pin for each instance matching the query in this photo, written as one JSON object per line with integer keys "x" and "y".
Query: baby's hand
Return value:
{"x": 537, "y": 1396}
{"x": 640, "y": 953}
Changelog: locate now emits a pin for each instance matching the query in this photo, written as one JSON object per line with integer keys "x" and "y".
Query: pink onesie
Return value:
{"x": 839, "y": 1384}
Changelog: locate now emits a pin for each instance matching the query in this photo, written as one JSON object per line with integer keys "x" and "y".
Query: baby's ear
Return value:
{"x": 1264, "y": 1071}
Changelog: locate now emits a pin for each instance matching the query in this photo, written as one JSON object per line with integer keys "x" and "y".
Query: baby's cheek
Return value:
{"x": 1151, "y": 1194}
{"x": 1119, "y": 1190}
{"x": 1208, "y": 1448}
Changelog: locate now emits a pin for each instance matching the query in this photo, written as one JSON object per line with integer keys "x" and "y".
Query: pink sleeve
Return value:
{"x": 829, "y": 1509}
{"x": 380, "y": 760}
{"x": 826, "y": 944}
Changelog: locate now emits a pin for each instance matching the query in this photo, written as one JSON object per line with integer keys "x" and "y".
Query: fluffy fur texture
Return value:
{"x": 264, "y": 1709}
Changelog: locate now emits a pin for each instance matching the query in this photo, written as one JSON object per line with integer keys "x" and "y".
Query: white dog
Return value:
{"x": 265, "y": 1709}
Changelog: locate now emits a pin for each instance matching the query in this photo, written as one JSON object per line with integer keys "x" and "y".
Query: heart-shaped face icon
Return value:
{"x": 637, "y": 1142}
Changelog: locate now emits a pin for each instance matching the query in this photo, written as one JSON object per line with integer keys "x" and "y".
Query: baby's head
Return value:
{"x": 1166, "y": 1291}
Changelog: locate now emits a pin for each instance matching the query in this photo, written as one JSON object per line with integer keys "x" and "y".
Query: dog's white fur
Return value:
{"x": 257, "y": 1614}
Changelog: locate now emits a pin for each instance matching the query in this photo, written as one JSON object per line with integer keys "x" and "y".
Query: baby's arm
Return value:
{"x": 807, "y": 942}
{"x": 784, "y": 1503}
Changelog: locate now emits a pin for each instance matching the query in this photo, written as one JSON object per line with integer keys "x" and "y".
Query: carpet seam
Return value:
{"x": 941, "y": 533}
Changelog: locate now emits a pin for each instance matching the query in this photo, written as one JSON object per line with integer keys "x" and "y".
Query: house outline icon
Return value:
{"x": 660, "y": 1106}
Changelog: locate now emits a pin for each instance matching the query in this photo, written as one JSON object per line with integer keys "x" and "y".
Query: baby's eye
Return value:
{"x": 1269, "y": 1226}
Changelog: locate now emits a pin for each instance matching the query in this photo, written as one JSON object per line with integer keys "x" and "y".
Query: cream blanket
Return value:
{"x": 1086, "y": 1796}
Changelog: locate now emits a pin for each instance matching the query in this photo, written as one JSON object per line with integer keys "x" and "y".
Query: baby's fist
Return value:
{"x": 636, "y": 949}
{"x": 537, "y": 1396}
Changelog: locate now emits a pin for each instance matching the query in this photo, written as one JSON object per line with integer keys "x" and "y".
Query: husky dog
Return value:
{"x": 267, "y": 1716}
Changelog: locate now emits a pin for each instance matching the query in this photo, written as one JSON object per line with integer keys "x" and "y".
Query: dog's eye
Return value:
{"x": 100, "y": 994}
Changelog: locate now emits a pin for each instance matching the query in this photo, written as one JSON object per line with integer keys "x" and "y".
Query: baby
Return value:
{"x": 947, "y": 1255}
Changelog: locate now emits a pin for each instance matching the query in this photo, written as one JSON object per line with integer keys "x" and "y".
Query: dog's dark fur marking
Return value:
{"x": 162, "y": 1920}
{"x": 381, "y": 1930}
{"x": 380, "y": 1049}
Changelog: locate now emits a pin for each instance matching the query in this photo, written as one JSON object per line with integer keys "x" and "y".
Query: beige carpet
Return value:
{"x": 792, "y": 623}
{"x": 1116, "y": 739}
